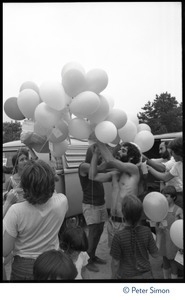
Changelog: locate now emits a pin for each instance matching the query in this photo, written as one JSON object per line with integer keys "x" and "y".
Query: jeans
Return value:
{"x": 22, "y": 269}
{"x": 95, "y": 232}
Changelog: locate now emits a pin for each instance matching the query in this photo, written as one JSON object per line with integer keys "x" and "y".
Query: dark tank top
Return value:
{"x": 93, "y": 191}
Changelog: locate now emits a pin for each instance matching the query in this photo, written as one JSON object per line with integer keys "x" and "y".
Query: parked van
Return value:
{"x": 67, "y": 171}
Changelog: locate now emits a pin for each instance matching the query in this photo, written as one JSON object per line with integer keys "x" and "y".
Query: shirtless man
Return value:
{"x": 126, "y": 179}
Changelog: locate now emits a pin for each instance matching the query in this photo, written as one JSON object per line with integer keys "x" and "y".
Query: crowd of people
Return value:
{"x": 33, "y": 213}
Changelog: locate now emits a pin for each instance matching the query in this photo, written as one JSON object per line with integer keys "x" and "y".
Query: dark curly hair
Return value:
{"x": 133, "y": 152}
{"x": 74, "y": 239}
{"x": 176, "y": 146}
{"x": 38, "y": 182}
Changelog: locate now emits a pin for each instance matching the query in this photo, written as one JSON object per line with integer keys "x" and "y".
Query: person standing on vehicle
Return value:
{"x": 94, "y": 210}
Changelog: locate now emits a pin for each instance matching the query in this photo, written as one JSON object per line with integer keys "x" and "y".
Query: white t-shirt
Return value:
{"x": 177, "y": 180}
{"x": 176, "y": 171}
{"x": 36, "y": 227}
{"x": 81, "y": 262}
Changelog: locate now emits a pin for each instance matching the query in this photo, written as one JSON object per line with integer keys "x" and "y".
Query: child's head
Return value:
{"x": 170, "y": 193}
{"x": 132, "y": 209}
{"x": 74, "y": 239}
{"x": 54, "y": 265}
{"x": 37, "y": 181}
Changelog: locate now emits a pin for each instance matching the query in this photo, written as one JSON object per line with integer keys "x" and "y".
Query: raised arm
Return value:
{"x": 94, "y": 171}
{"x": 105, "y": 152}
{"x": 112, "y": 162}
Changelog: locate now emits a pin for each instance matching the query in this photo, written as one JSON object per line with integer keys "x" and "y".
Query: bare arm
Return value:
{"x": 159, "y": 175}
{"x": 115, "y": 163}
{"x": 8, "y": 243}
{"x": 11, "y": 199}
{"x": 93, "y": 170}
{"x": 158, "y": 166}
{"x": 114, "y": 267}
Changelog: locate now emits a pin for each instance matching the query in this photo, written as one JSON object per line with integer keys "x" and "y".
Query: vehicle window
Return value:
{"x": 74, "y": 157}
{"x": 7, "y": 158}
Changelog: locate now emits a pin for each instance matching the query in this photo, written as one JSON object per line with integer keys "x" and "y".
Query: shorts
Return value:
{"x": 112, "y": 228}
{"x": 94, "y": 214}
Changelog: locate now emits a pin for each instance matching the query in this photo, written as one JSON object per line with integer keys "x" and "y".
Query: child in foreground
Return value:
{"x": 167, "y": 248}
{"x": 53, "y": 265}
{"x": 74, "y": 242}
{"x": 131, "y": 246}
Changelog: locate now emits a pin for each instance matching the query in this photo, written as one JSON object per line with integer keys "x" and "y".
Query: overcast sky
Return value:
{"x": 138, "y": 44}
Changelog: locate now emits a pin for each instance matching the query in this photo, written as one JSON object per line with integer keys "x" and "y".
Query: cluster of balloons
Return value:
{"x": 75, "y": 106}
{"x": 155, "y": 206}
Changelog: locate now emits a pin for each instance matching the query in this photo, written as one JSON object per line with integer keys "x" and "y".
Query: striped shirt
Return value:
{"x": 132, "y": 247}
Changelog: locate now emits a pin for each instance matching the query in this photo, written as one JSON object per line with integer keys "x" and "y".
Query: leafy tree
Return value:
{"x": 163, "y": 115}
{"x": 11, "y": 131}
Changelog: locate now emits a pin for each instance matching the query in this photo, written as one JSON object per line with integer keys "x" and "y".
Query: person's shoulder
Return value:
{"x": 59, "y": 197}
{"x": 59, "y": 202}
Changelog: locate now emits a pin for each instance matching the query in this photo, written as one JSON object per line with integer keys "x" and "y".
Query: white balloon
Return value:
{"x": 176, "y": 233}
{"x": 71, "y": 66}
{"x": 53, "y": 94}
{"x": 41, "y": 130}
{"x": 74, "y": 82}
{"x": 102, "y": 111}
{"x": 84, "y": 104}
{"x": 155, "y": 206}
{"x": 27, "y": 102}
{"x": 29, "y": 85}
{"x": 128, "y": 132}
{"x": 106, "y": 131}
{"x": 145, "y": 140}
{"x": 79, "y": 128}
{"x": 133, "y": 118}
{"x": 59, "y": 148}
{"x": 143, "y": 126}
{"x": 118, "y": 117}
{"x": 110, "y": 100}
{"x": 97, "y": 80}
{"x": 46, "y": 116}
{"x": 59, "y": 133}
